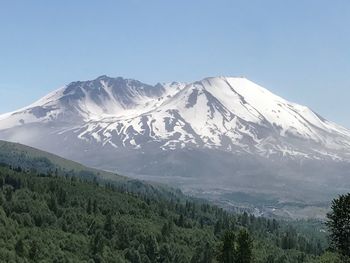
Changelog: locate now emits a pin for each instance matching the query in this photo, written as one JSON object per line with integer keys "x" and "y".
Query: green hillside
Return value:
{"x": 57, "y": 215}
{"x": 41, "y": 162}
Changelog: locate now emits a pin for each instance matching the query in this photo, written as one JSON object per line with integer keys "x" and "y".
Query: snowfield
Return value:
{"x": 231, "y": 114}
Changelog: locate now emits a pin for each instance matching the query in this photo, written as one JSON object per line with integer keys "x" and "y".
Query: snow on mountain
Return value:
{"x": 230, "y": 114}
{"x": 211, "y": 137}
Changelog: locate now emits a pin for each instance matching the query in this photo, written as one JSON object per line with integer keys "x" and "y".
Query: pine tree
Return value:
{"x": 33, "y": 250}
{"x": 133, "y": 255}
{"x": 152, "y": 248}
{"x": 95, "y": 207}
{"x": 89, "y": 207}
{"x": 207, "y": 253}
{"x": 339, "y": 224}
{"x": 201, "y": 222}
{"x": 181, "y": 221}
{"x": 53, "y": 204}
{"x": 227, "y": 250}
{"x": 217, "y": 228}
{"x": 245, "y": 219}
{"x": 8, "y": 190}
{"x": 165, "y": 230}
{"x": 20, "y": 248}
{"x": 109, "y": 227}
{"x": 165, "y": 255}
{"x": 97, "y": 243}
{"x": 244, "y": 247}
{"x": 62, "y": 196}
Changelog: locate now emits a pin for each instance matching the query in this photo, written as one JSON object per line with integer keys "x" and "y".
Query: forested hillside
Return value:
{"x": 48, "y": 218}
{"x": 55, "y": 210}
{"x": 43, "y": 163}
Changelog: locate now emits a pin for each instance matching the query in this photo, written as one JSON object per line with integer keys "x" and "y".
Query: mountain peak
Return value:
{"x": 104, "y": 77}
{"x": 225, "y": 133}
{"x": 220, "y": 112}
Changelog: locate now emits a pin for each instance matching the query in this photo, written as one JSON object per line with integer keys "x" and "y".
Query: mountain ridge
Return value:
{"x": 217, "y": 133}
{"x": 236, "y": 101}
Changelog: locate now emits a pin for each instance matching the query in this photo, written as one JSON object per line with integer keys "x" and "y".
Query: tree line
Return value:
{"x": 49, "y": 218}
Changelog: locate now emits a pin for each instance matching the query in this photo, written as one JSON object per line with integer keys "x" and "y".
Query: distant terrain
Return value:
{"x": 219, "y": 138}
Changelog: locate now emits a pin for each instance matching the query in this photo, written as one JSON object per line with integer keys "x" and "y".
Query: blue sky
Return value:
{"x": 297, "y": 49}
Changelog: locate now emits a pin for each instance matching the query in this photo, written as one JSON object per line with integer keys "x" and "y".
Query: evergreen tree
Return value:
{"x": 109, "y": 227}
{"x": 244, "y": 251}
{"x": 33, "y": 251}
{"x": 20, "y": 248}
{"x": 208, "y": 254}
{"x": 152, "y": 248}
{"x": 8, "y": 189}
{"x": 339, "y": 224}
{"x": 217, "y": 228}
{"x": 53, "y": 204}
{"x": 89, "y": 207}
{"x": 165, "y": 255}
{"x": 97, "y": 243}
{"x": 95, "y": 207}
{"x": 62, "y": 196}
{"x": 227, "y": 250}
{"x": 181, "y": 221}
{"x": 164, "y": 230}
{"x": 245, "y": 219}
{"x": 133, "y": 256}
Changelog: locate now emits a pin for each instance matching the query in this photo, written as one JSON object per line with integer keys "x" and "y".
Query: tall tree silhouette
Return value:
{"x": 339, "y": 224}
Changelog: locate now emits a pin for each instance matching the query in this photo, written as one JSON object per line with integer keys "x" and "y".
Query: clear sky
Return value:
{"x": 298, "y": 49}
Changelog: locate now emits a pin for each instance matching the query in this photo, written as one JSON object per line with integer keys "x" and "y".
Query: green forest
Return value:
{"x": 48, "y": 218}
{"x": 53, "y": 210}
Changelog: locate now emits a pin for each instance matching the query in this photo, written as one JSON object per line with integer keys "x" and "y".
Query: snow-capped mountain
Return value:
{"x": 231, "y": 114}
{"x": 177, "y": 129}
